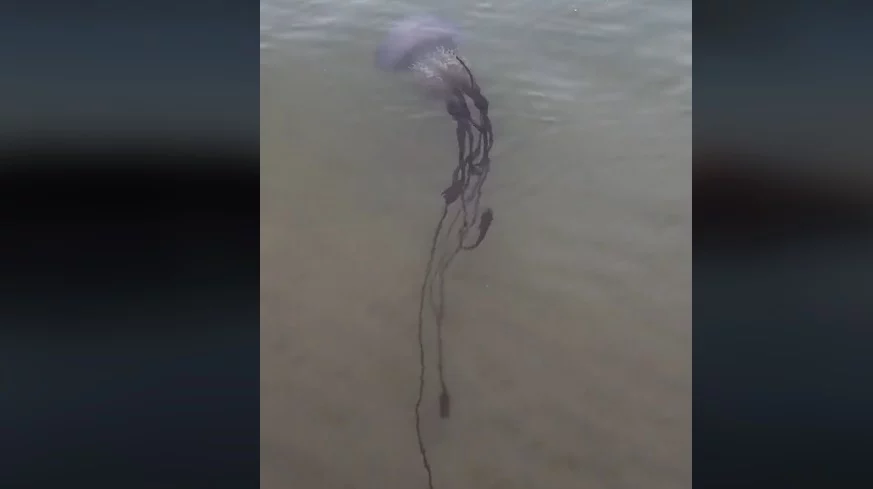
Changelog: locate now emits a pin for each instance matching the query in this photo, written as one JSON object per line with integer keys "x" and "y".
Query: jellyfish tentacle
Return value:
{"x": 426, "y": 47}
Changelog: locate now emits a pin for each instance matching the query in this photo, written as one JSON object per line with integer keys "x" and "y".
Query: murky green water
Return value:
{"x": 568, "y": 335}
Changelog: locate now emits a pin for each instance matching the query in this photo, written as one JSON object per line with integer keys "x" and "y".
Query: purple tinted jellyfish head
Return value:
{"x": 426, "y": 47}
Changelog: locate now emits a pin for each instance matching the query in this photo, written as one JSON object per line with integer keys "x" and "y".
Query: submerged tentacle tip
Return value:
{"x": 445, "y": 405}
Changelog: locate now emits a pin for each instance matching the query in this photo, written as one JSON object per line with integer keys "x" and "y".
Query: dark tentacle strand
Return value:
{"x": 468, "y": 178}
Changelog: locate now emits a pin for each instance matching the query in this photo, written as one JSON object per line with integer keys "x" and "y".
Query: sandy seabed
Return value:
{"x": 568, "y": 351}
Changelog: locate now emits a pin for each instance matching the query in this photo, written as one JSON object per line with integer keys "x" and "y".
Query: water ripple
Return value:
{"x": 551, "y": 52}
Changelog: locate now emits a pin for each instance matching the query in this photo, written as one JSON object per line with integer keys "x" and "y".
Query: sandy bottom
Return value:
{"x": 568, "y": 346}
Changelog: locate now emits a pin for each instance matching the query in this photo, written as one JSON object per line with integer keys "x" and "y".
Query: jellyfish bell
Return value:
{"x": 426, "y": 47}
{"x": 413, "y": 37}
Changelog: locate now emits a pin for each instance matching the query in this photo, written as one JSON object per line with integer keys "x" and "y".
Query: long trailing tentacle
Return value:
{"x": 464, "y": 194}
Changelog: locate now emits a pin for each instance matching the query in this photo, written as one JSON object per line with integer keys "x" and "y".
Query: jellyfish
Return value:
{"x": 426, "y": 47}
